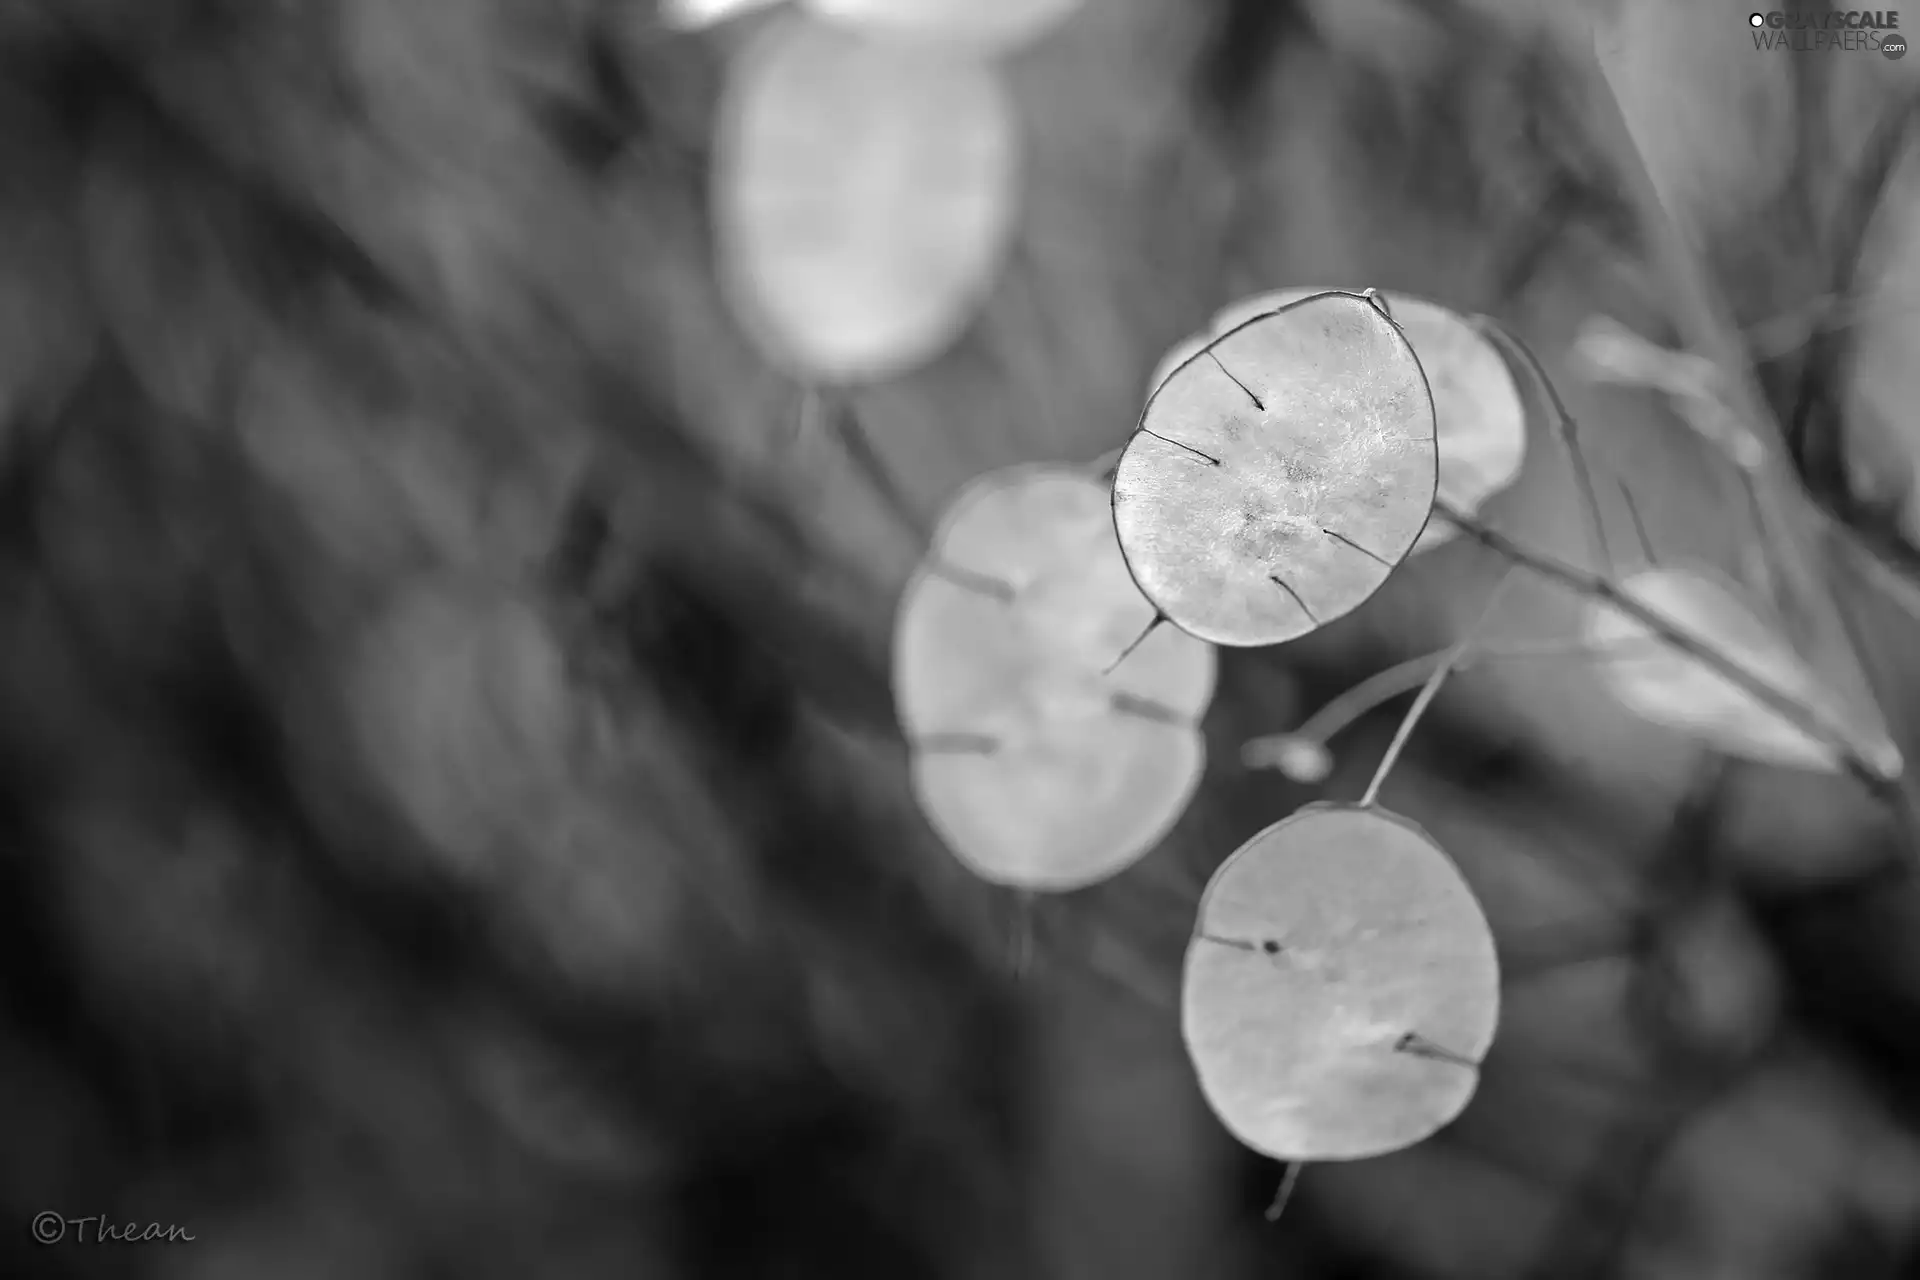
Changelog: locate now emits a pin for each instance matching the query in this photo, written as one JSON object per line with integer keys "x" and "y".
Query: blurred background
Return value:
{"x": 452, "y": 819}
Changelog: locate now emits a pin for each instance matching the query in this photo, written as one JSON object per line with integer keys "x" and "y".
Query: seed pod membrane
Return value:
{"x": 1052, "y": 720}
{"x": 1280, "y": 475}
{"x": 1340, "y": 989}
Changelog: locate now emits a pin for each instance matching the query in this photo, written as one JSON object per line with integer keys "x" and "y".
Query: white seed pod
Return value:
{"x": 1280, "y": 475}
{"x": 697, "y": 15}
{"x": 1480, "y": 420}
{"x": 1052, "y": 723}
{"x": 1340, "y": 989}
{"x": 1669, "y": 687}
{"x": 1068, "y": 799}
{"x": 864, "y": 195}
{"x": 979, "y": 26}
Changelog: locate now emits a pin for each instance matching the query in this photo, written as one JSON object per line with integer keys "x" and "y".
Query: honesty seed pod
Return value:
{"x": 1480, "y": 420}
{"x": 1052, "y": 720}
{"x": 1280, "y": 474}
{"x": 1340, "y": 989}
{"x": 864, "y": 193}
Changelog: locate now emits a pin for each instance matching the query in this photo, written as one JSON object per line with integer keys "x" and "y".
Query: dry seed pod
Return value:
{"x": 1062, "y": 802}
{"x": 1480, "y": 421}
{"x": 1025, "y": 584}
{"x": 1673, "y": 689}
{"x": 864, "y": 195}
{"x": 1280, "y": 475}
{"x": 1340, "y": 989}
{"x": 1052, "y": 722}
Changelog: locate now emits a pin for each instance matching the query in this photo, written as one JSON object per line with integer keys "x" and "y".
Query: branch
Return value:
{"x": 1878, "y": 776}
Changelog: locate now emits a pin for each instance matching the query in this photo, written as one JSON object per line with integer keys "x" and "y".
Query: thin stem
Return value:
{"x": 1135, "y": 643}
{"x": 1639, "y": 526}
{"x": 1878, "y": 775}
{"x": 1432, "y": 687}
{"x": 837, "y": 421}
{"x": 1404, "y": 677}
{"x": 1564, "y": 425}
{"x": 1285, "y": 1193}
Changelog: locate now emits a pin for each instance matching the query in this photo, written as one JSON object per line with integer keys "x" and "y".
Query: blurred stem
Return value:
{"x": 829, "y": 414}
{"x": 1448, "y": 662}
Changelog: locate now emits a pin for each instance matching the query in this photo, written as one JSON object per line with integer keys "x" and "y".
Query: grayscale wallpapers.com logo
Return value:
{"x": 1862, "y": 30}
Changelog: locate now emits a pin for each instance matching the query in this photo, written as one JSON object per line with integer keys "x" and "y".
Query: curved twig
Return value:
{"x": 1564, "y": 424}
